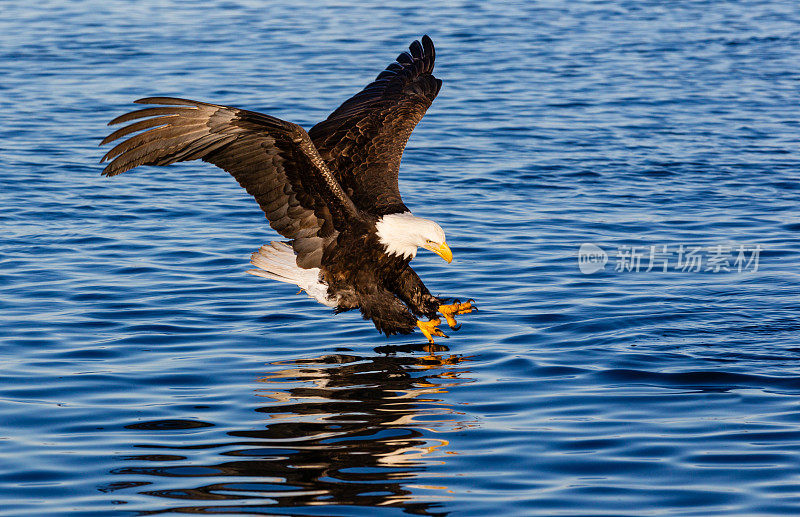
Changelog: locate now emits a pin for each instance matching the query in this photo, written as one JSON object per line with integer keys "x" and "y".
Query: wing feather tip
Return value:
{"x": 109, "y": 171}
{"x": 107, "y": 140}
{"x": 427, "y": 46}
{"x": 416, "y": 48}
{"x": 174, "y": 101}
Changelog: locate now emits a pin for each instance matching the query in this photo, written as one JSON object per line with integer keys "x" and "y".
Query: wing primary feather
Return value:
{"x": 172, "y": 101}
{"x": 149, "y": 112}
{"x": 152, "y": 140}
{"x": 405, "y": 58}
{"x": 429, "y": 51}
{"x": 416, "y": 49}
{"x": 138, "y": 126}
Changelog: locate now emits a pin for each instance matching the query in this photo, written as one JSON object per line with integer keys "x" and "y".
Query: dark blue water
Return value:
{"x": 143, "y": 372}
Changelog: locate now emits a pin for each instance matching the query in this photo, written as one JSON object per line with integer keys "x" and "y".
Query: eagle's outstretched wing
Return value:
{"x": 363, "y": 140}
{"x": 274, "y": 160}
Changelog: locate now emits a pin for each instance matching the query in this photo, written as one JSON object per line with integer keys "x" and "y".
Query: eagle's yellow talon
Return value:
{"x": 448, "y": 311}
{"x": 430, "y": 329}
{"x": 451, "y": 321}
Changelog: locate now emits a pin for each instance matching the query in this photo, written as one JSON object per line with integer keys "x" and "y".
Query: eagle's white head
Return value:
{"x": 402, "y": 234}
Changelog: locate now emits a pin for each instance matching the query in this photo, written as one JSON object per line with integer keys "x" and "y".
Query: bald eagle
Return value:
{"x": 332, "y": 191}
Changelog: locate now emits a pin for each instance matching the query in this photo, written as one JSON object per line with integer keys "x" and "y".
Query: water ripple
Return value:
{"x": 144, "y": 372}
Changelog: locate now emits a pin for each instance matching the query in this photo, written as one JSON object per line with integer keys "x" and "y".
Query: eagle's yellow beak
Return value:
{"x": 442, "y": 250}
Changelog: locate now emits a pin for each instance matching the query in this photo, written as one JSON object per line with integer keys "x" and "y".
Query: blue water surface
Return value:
{"x": 144, "y": 373}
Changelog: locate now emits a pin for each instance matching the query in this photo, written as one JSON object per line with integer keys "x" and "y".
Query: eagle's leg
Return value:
{"x": 415, "y": 295}
{"x": 389, "y": 314}
{"x": 431, "y": 328}
{"x": 449, "y": 311}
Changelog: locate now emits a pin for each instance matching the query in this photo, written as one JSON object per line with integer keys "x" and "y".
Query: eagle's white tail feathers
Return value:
{"x": 277, "y": 261}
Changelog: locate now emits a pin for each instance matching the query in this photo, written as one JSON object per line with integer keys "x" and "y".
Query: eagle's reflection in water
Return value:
{"x": 344, "y": 430}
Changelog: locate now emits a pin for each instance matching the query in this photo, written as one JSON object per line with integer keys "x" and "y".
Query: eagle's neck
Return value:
{"x": 398, "y": 234}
